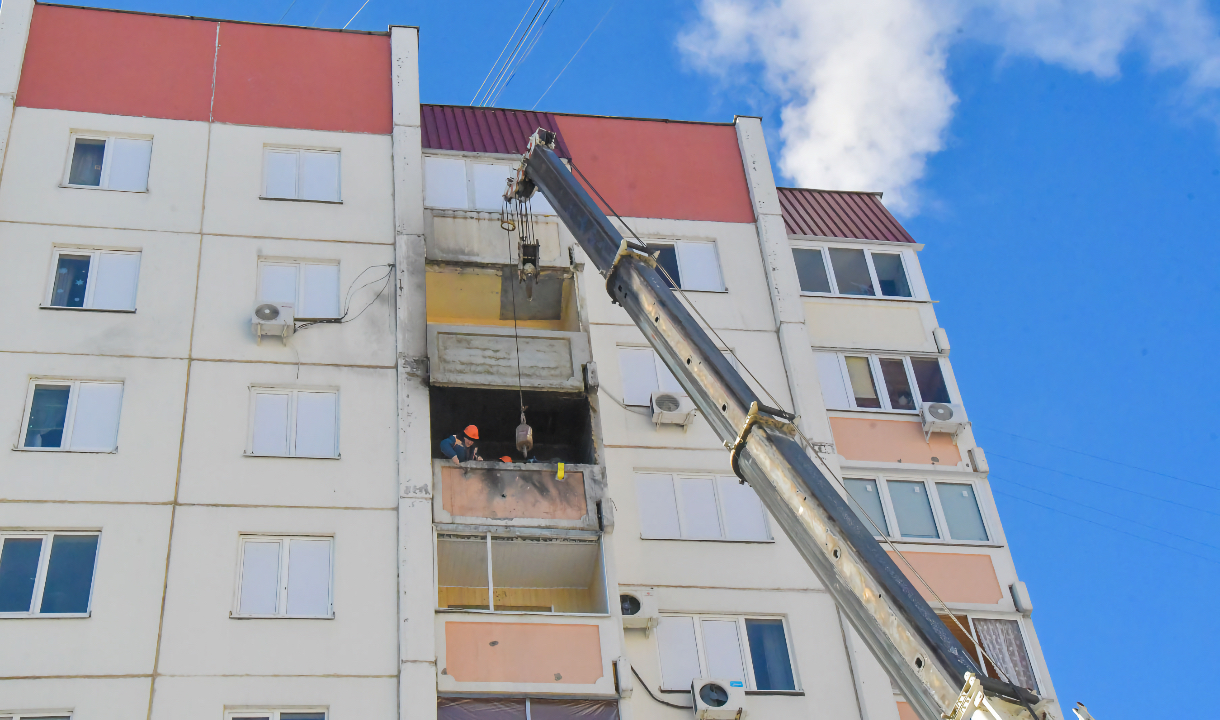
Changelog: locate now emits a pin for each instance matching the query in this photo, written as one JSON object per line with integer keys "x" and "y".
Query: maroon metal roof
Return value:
{"x": 490, "y": 130}
{"x": 835, "y": 213}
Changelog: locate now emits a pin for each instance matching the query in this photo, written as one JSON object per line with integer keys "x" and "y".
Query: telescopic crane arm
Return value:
{"x": 938, "y": 678}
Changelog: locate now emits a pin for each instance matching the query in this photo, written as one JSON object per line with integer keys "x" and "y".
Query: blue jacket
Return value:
{"x": 452, "y": 447}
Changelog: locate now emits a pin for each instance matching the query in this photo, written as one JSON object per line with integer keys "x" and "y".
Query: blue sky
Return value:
{"x": 1063, "y": 169}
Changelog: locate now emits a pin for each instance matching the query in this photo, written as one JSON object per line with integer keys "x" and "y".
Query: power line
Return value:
{"x": 1105, "y": 484}
{"x": 565, "y": 67}
{"x": 349, "y": 22}
{"x": 294, "y": 2}
{"x": 1103, "y": 459}
{"x": 502, "y": 51}
{"x": 526, "y": 54}
{"x": 1108, "y": 527}
{"x": 502, "y": 73}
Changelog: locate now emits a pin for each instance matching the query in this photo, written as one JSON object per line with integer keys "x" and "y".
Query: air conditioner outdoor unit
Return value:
{"x": 639, "y": 609}
{"x": 718, "y": 699}
{"x": 672, "y": 408}
{"x": 273, "y": 319}
{"x": 942, "y": 417}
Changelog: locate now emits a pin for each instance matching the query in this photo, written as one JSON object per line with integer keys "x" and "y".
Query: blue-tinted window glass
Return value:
{"x": 667, "y": 257}
{"x": 890, "y": 275}
{"x": 868, "y": 496}
{"x": 303, "y": 716}
{"x": 69, "y": 574}
{"x": 930, "y": 379}
{"x": 811, "y": 270}
{"x": 914, "y": 511}
{"x": 87, "y": 158}
{"x": 71, "y": 281}
{"x": 961, "y": 510}
{"x": 18, "y": 570}
{"x": 851, "y": 271}
{"x": 769, "y": 653}
{"x": 48, "y": 411}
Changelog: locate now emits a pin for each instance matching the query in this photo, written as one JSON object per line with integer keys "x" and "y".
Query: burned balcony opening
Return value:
{"x": 541, "y": 575}
{"x": 561, "y": 422}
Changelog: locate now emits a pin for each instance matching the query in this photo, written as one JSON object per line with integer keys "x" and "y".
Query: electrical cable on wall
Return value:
{"x": 654, "y": 697}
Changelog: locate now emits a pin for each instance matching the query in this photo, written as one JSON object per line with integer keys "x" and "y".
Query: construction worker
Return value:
{"x": 461, "y": 447}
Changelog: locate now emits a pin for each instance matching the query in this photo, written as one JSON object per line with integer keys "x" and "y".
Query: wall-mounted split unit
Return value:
{"x": 718, "y": 699}
{"x": 672, "y": 408}
{"x": 273, "y": 319}
{"x": 639, "y": 608}
{"x": 942, "y": 417}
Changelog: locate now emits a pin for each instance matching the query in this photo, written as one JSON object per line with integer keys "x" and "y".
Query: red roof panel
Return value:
{"x": 835, "y": 213}
{"x": 489, "y": 130}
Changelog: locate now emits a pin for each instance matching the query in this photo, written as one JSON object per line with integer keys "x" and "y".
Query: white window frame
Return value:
{"x": 69, "y": 419}
{"x": 972, "y": 615}
{"x": 677, "y": 244}
{"x": 874, "y": 364}
{"x": 743, "y": 644}
{"x": 40, "y": 580}
{"x": 660, "y": 368}
{"x": 299, "y": 301}
{"x": 675, "y": 477}
{"x": 292, "y": 393}
{"x": 824, "y": 248}
{"x": 512, "y": 165}
{"x": 40, "y": 715}
{"x": 281, "y": 601}
{"x": 94, "y": 254}
{"x": 298, "y": 150}
{"x": 106, "y": 158}
{"x": 938, "y": 513}
{"x": 274, "y": 714}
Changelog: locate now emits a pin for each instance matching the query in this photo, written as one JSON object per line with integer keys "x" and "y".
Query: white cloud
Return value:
{"x": 862, "y": 83}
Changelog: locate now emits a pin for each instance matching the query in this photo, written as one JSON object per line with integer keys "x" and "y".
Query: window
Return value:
{"x": 109, "y": 163}
{"x": 461, "y": 708}
{"x": 295, "y": 714}
{"x": 693, "y": 265}
{"x": 854, "y": 271}
{"x": 72, "y": 415}
{"x": 644, "y": 373}
{"x": 312, "y": 288}
{"x": 1003, "y": 644}
{"x": 285, "y": 577}
{"x": 294, "y": 423}
{"x": 874, "y": 382}
{"x": 37, "y": 716}
{"x": 94, "y": 279}
{"x": 542, "y": 575}
{"x": 290, "y": 174}
{"x": 918, "y": 509}
{"x": 699, "y": 507}
{"x": 46, "y": 573}
{"x": 748, "y": 652}
{"x": 459, "y": 184}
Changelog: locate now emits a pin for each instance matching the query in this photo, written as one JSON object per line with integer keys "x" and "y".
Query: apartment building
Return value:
{"x": 251, "y": 284}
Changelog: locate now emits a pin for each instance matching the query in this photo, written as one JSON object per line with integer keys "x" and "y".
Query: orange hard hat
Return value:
{"x": 506, "y": 459}
{"x": 471, "y": 432}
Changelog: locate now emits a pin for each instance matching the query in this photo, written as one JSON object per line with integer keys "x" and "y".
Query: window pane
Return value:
{"x": 260, "y": 578}
{"x": 830, "y": 376}
{"x": 897, "y": 385}
{"x": 539, "y": 205}
{"x": 449, "y": 708}
{"x": 1003, "y": 642}
{"x": 280, "y": 174}
{"x": 658, "y": 508}
{"x": 700, "y": 267}
{"x": 667, "y": 257}
{"x": 129, "y": 161}
{"x": 665, "y": 379}
{"x": 270, "y": 424}
{"x": 700, "y": 519}
{"x": 931, "y": 382}
{"x": 69, "y": 574}
{"x": 117, "y": 274}
{"x": 277, "y": 283}
{"x": 679, "y": 656}
{"x": 722, "y": 648}
{"x": 461, "y": 572}
{"x": 811, "y": 270}
{"x": 87, "y": 158}
{"x": 868, "y": 496}
{"x": 851, "y": 272}
{"x": 769, "y": 653}
{"x": 303, "y": 716}
{"x": 321, "y": 296}
{"x": 490, "y": 181}
{"x": 913, "y": 511}
{"x": 309, "y": 578}
{"x": 639, "y": 369}
{"x": 48, "y": 410}
{"x": 18, "y": 571}
{"x": 445, "y": 182}
{"x": 744, "y": 517}
{"x": 890, "y": 275}
{"x": 319, "y": 175}
{"x": 71, "y": 281}
{"x": 316, "y": 425}
{"x": 961, "y": 510}
{"x": 95, "y": 425}
{"x": 862, "y": 386}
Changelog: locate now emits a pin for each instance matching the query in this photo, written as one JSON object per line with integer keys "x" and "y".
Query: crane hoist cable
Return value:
{"x": 515, "y": 215}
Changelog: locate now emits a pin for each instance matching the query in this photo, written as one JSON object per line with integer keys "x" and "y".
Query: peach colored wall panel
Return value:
{"x": 523, "y": 653}
{"x": 301, "y": 78}
{"x": 891, "y": 441}
{"x": 956, "y": 577}
{"x": 905, "y": 712}
{"x": 656, "y": 169}
{"x": 507, "y": 494}
{"x": 118, "y": 64}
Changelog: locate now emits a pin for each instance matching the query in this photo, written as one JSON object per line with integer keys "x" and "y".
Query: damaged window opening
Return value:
{"x": 562, "y": 428}
{"x": 539, "y": 575}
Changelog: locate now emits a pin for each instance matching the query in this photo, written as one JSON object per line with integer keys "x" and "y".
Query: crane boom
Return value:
{"x": 936, "y": 675}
